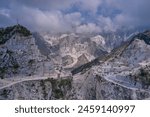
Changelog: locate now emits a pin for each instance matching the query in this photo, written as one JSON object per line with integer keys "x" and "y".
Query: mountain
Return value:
{"x": 7, "y": 33}
{"x": 19, "y": 55}
{"x": 73, "y": 66}
{"x": 121, "y": 74}
{"x": 76, "y": 48}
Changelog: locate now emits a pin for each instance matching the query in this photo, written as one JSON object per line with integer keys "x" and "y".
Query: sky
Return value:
{"x": 81, "y": 16}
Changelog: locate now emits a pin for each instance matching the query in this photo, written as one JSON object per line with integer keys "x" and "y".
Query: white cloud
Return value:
{"x": 53, "y": 21}
{"x": 64, "y": 15}
{"x": 73, "y": 18}
{"x": 123, "y": 20}
{"x": 4, "y": 12}
{"x": 106, "y": 23}
{"x": 88, "y": 28}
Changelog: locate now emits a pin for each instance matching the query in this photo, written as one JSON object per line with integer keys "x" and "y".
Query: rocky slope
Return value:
{"x": 74, "y": 48}
{"x": 122, "y": 74}
{"x": 72, "y": 66}
{"x": 19, "y": 55}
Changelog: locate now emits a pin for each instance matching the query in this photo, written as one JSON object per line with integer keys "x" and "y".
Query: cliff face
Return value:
{"x": 96, "y": 87}
{"x": 48, "y": 89}
{"x": 34, "y": 68}
{"x": 76, "y": 49}
{"x": 19, "y": 55}
{"x": 122, "y": 74}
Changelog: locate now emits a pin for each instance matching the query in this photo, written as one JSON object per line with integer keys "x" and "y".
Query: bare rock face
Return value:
{"x": 19, "y": 54}
{"x": 94, "y": 87}
{"x": 81, "y": 60}
{"x": 122, "y": 74}
{"x": 36, "y": 67}
{"x": 67, "y": 60}
{"x": 38, "y": 90}
{"x": 74, "y": 47}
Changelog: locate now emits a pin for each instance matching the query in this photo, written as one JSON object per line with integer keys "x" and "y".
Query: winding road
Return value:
{"x": 8, "y": 83}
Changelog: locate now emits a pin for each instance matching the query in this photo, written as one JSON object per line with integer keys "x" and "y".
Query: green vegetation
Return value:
{"x": 22, "y": 30}
{"x": 9, "y": 52}
{"x": 5, "y": 93}
{"x": 16, "y": 66}
{"x": 6, "y": 33}
{"x": 65, "y": 82}
{"x": 143, "y": 76}
{"x": 59, "y": 94}
{"x": 59, "y": 87}
{"x": 2, "y": 72}
{"x": 30, "y": 62}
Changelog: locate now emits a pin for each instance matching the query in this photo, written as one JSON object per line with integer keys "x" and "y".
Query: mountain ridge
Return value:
{"x": 71, "y": 66}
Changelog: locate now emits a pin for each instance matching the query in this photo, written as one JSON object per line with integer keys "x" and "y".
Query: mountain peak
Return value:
{"x": 8, "y": 32}
{"x": 145, "y": 36}
{"x": 21, "y": 30}
{"x": 147, "y": 32}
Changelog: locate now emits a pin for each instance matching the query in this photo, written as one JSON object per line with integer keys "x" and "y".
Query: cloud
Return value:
{"x": 37, "y": 19}
{"x": 41, "y": 4}
{"x": 53, "y": 21}
{"x": 134, "y": 13}
{"x": 76, "y": 15}
{"x": 90, "y": 5}
{"x": 88, "y": 28}
{"x": 5, "y": 17}
{"x": 106, "y": 24}
{"x": 4, "y": 12}
{"x": 73, "y": 18}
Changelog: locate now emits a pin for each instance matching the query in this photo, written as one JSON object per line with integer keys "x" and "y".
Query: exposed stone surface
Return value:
{"x": 72, "y": 66}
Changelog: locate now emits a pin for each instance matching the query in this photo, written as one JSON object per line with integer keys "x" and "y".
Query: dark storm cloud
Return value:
{"x": 49, "y": 15}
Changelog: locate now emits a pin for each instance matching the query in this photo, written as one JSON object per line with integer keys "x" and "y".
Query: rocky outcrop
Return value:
{"x": 74, "y": 47}
{"x": 97, "y": 87}
{"x": 38, "y": 90}
{"x": 19, "y": 55}
{"x": 121, "y": 74}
